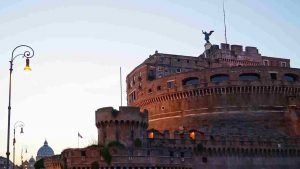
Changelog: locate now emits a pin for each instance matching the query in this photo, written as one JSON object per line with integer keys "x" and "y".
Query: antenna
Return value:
{"x": 224, "y": 16}
{"x": 121, "y": 83}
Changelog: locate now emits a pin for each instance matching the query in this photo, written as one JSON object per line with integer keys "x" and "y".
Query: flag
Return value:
{"x": 79, "y": 135}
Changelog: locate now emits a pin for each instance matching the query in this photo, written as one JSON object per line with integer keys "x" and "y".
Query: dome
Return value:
{"x": 31, "y": 160}
{"x": 44, "y": 151}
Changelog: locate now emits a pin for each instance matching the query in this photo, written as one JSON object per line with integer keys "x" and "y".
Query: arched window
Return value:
{"x": 151, "y": 135}
{"x": 219, "y": 78}
{"x": 190, "y": 81}
{"x": 249, "y": 76}
{"x": 193, "y": 135}
{"x": 290, "y": 77}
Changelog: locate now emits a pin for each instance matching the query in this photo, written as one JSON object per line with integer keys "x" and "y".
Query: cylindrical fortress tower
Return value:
{"x": 230, "y": 90}
{"x": 123, "y": 125}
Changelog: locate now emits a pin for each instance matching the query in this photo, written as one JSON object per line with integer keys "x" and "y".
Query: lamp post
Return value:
{"x": 22, "y": 154}
{"x": 27, "y": 53}
{"x": 17, "y": 124}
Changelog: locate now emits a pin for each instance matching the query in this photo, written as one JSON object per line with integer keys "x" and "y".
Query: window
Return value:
{"x": 131, "y": 83}
{"x": 151, "y": 75}
{"x": 290, "y": 77}
{"x": 273, "y": 76}
{"x": 204, "y": 159}
{"x": 170, "y": 84}
{"x": 160, "y": 68}
{"x": 158, "y": 88}
{"x": 151, "y": 135}
{"x": 283, "y": 64}
{"x": 132, "y": 96}
{"x": 219, "y": 78}
{"x": 178, "y": 60}
{"x": 192, "y": 135}
{"x": 83, "y": 153}
{"x": 140, "y": 76}
{"x": 266, "y": 63}
{"x": 190, "y": 81}
{"x": 178, "y": 70}
{"x": 149, "y": 90}
{"x": 131, "y": 134}
{"x": 249, "y": 76}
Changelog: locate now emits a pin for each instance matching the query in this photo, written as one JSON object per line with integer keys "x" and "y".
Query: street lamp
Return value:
{"x": 17, "y": 124}
{"x": 27, "y": 53}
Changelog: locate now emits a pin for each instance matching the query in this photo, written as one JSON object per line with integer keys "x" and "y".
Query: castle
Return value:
{"x": 229, "y": 108}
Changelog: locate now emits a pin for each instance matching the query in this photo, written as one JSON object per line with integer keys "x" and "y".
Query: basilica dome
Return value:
{"x": 44, "y": 151}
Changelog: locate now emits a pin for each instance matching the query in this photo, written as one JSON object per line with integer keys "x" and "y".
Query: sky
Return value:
{"x": 80, "y": 45}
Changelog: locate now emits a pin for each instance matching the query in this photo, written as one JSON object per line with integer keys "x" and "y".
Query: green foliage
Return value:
{"x": 138, "y": 142}
{"x": 65, "y": 166}
{"x": 95, "y": 165}
{"x": 199, "y": 149}
{"x": 114, "y": 112}
{"x": 39, "y": 164}
{"x": 106, "y": 155}
{"x": 105, "y": 150}
{"x": 115, "y": 144}
{"x": 92, "y": 145}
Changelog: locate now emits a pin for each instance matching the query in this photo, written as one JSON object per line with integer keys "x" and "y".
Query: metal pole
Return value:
{"x": 9, "y": 109}
{"x": 224, "y": 17}
{"x": 121, "y": 84}
{"x": 26, "y": 54}
{"x": 14, "y": 142}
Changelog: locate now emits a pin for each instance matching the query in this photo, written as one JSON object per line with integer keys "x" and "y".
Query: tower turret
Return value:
{"x": 124, "y": 125}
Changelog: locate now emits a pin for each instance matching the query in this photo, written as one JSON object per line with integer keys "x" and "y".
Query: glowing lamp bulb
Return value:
{"x": 192, "y": 135}
{"x": 151, "y": 135}
{"x": 27, "y": 67}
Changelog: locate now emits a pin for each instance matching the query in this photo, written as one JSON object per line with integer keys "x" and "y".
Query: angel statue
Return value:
{"x": 207, "y": 35}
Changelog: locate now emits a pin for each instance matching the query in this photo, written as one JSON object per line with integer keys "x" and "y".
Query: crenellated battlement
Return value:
{"x": 221, "y": 143}
{"x": 235, "y": 48}
{"x": 123, "y": 115}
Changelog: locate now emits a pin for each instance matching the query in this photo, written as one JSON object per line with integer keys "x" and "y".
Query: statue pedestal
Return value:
{"x": 207, "y": 46}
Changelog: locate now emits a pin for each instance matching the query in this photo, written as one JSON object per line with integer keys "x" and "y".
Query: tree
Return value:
{"x": 39, "y": 164}
{"x": 95, "y": 165}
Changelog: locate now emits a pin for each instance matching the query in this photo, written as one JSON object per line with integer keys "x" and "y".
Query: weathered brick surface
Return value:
{"x": 185, "y": 116}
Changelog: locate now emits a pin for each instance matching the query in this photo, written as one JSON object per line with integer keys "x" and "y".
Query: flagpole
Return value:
{"x": 224, "y": 20}
{"x": 121, "y": 84}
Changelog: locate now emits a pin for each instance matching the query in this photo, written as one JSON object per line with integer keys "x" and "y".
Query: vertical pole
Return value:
{"x": 121, "y": 83}
{"x": 77, "y": 141}
{"x": 14, "y": 142}
{"x": 9, "y": 108}
{"x": 22, "y": 156}
{"x": 224, "y": 22}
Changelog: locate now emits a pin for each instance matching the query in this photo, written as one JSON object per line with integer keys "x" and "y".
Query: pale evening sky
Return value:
{"x": 80, "y": 45}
